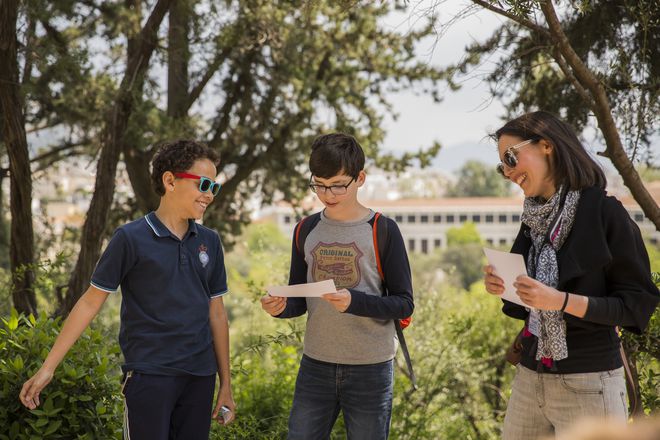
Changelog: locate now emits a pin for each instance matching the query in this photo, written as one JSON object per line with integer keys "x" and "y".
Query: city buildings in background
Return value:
{"x": 424, "y": 222}
{"x": 414, "y": 199}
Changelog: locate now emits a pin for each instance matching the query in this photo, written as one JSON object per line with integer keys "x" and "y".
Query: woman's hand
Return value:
{"x": 494, "y": 284}
{"x": 536, "y": 294}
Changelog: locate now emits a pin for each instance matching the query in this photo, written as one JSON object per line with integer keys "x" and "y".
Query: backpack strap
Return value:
{"x": 380, "y": 236}
{"x": 303, "y": 228}
{"x": 377, "y": 247}
{"x": 630, "y": 381}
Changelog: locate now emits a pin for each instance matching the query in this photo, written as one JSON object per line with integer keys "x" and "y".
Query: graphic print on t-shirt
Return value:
{"x": 337, "y": 261}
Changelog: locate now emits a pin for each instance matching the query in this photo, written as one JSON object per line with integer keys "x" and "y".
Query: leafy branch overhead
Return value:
{"x": 593, "y": 63}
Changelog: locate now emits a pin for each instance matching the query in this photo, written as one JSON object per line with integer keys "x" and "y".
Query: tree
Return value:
{"x": 14, "y": 138}
{"x": 463, "y": 254}
{"x": 256, "y": 80}
{"x": 140, "y": 48}
{"x": 46, "y": 88}
{"x": 279, "y": 67}
{"x": 475, "y": 179}
{"x": 590, "y": 60}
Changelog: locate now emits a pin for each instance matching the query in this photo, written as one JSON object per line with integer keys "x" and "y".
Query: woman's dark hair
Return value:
{"x": 334, "y": 153}
{"x": 177, "y": 157}
{"x": 571, "y": 165}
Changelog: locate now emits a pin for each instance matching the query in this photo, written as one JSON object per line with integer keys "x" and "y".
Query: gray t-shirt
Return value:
{"x": 344, "y": 251}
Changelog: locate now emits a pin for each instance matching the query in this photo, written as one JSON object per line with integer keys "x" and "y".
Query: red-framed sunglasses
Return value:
{"x": 205, "y": 184}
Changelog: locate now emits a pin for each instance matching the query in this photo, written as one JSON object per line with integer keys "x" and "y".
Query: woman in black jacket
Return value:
{"x": 588, "y": 273}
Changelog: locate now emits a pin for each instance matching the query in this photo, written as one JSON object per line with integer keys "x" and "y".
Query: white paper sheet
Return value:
{"x": 507, "y": 266}
{"x": 303, "y": 290}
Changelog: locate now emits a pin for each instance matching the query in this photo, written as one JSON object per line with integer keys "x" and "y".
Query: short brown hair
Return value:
{"x": 336, "y": 152}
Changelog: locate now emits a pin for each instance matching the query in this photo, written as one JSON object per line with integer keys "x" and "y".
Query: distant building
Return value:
{"x": 424, "y": 222}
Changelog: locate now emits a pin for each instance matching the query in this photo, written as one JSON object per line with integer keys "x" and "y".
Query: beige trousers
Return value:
{"x": 543, "y": 404}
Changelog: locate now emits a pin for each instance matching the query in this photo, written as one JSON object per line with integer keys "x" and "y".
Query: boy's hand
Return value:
{"x": 274, "y": 305}
{"x": 30, "y": 392}
{"x": 224, "y": 399}
{"x": 340, "y": 300}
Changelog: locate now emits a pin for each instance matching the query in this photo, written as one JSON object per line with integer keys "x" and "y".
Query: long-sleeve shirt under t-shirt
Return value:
{"x": 344, "y": 252}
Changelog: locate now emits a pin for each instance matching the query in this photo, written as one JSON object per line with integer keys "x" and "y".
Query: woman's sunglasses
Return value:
{"x": 510, "y": 158}
{"x": 205, "y": 184}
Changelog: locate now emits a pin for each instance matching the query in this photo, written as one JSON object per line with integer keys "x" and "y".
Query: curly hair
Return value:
{"x": 177, "y": 157}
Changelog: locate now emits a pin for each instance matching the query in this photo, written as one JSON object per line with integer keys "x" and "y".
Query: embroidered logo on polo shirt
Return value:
{"x": 203, "y": 256}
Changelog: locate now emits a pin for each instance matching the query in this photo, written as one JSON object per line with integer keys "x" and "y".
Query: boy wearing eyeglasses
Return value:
{"x": 347, "y": 362}
{"x": 174, "y": 331}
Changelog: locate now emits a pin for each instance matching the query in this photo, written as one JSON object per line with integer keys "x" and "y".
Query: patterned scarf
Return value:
{"x": 550, "y": 224}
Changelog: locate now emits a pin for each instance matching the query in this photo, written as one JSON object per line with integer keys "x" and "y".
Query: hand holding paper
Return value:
{"x": 507, "y": 266}
{"x": 340, "y": 300}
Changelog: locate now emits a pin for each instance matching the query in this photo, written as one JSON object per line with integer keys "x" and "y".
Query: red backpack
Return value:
{"x": 380, "y": 235}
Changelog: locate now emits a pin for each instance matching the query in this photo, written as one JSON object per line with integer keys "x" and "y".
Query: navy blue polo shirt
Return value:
{"x": 166, "y": 285}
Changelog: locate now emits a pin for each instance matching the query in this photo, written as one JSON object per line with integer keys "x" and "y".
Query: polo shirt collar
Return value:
{"x": 161, "y": 230}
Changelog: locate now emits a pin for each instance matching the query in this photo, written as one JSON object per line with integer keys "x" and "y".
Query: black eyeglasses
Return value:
{"x": 337, "y": 190}
{"x": 510, "y": 158}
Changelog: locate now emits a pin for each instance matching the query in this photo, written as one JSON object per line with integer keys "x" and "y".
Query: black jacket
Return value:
{"x": 603, "y": 258}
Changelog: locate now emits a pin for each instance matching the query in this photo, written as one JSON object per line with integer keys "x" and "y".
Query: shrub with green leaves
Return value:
{"x": 263, "y": 378}
{"x": 83, "y": 401}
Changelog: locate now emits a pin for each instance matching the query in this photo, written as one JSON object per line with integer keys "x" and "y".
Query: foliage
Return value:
{"x": 645, "y": 348}
{"x": 617, "y": 40}
{"x": 476, "y": 179}
{"x": 81, "y": 402}
{"x": 262, "y": 80}
{"x": 461, "y": 259}
{"x": 263, "y": 382}
{"x": 457, "y": 345}
{"x": 467, "y": 233}
{"x": 50, "y": 275}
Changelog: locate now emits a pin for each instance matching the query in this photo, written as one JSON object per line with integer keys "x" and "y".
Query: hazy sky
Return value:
{"x": 463, "y": 119}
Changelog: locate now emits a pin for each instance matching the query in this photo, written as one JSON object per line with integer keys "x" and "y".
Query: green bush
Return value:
{"x": 263, "y": 379}
{"x": 644, "y": 352}
{"x": 457, "y": 343}
{"x": 82, "y": 402}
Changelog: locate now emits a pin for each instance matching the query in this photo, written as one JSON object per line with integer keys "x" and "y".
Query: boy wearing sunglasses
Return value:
{"x": 350, "y": 335}
{"x": 174, "y": 332}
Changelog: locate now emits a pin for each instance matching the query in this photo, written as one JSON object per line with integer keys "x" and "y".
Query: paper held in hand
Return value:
{"x": 507, "y": 266}
{"x": 303, "y": 290}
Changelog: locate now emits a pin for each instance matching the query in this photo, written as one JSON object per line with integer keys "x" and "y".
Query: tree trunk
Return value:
{"x": 113, "y": 143}
{"x": 4, "y": 227}
{"x": 592, "y": 91}
{"x": 178, "y": 57}
{"x": 137, "y": 167}
{"x": 601, "y": 107}
{"x": 21, "y": 252}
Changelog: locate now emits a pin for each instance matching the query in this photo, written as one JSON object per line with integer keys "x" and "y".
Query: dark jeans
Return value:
{"x": 167, "y": 407}
{"x": 362, "y": 392}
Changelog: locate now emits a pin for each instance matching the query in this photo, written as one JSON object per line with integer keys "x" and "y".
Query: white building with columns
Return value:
{"x": 424, "y": 222}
